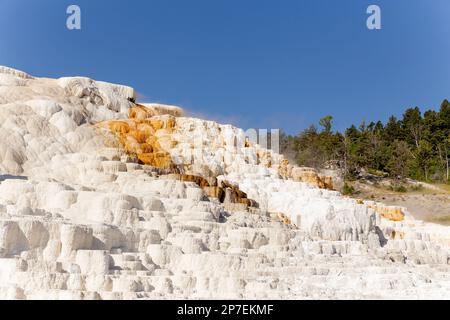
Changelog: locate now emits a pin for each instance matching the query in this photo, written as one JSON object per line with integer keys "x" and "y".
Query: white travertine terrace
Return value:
{"x": 81, "y": 219}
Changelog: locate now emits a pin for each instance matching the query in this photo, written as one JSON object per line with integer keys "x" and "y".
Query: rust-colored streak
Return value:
{"x": 142, "y": 136}
{"x": 138, "y": 136}
{"x": 390, "y": 213}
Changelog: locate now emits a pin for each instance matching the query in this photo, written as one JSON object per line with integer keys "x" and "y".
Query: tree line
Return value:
{"x": 416, "y": 146}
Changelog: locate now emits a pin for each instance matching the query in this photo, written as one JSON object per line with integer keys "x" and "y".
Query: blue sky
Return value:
{"x": 252, "y": 63}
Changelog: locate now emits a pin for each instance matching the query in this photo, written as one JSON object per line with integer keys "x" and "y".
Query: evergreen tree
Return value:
{"x": 417, "y": 146}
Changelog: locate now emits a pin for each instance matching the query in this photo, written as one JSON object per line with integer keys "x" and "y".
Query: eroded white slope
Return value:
{"x": 80, "y": 220}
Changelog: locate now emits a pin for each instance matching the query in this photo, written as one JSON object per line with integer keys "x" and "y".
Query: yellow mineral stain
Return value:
{"x": 390, "y": 213}
{"x": 140, "y": 135}
{"x": 284, "y": 218}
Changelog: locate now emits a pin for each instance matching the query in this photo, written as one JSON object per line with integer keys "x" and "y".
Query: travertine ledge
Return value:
{"x": 103, "y": 197}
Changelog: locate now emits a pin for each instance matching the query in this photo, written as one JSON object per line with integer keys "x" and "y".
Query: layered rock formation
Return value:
{"x": 104, "y": 198}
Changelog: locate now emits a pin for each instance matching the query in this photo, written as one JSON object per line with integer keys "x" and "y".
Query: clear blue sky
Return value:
{"x": 253, "y": 63}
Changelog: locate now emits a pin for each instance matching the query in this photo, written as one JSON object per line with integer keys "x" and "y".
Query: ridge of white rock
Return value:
{"x": 84, "y": 216}
{"x": 5, "y": 71}
{"x": 159, "y": 109}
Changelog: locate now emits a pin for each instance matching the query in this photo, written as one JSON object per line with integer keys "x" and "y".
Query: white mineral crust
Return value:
{"x": 78, "y": 222}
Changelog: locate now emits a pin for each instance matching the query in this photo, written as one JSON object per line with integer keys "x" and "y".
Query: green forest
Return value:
{"x": 416, "y": 146}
